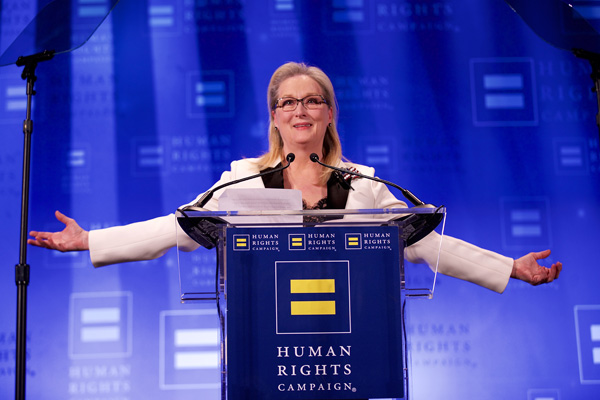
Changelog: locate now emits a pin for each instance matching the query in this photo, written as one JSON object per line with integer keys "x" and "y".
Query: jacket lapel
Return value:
{"x": 337, "y": 195}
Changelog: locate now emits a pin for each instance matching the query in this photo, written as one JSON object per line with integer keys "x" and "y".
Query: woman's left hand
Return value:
{"x": 528, "y": 270}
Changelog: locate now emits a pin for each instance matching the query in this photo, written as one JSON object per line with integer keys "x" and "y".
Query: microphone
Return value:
{"x": 208, "y": 195}
{"x": 407, "y": 194}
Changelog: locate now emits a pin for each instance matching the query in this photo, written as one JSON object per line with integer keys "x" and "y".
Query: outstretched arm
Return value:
{"x": 72, "y": 238}
{"x": 528, "y": 270}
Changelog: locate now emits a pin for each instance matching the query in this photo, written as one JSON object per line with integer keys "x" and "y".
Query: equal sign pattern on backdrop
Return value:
{"x": 189, "y": 350}
{"x": 100, "y": 325}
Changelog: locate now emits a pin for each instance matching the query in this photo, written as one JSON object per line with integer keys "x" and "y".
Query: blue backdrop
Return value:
{"x": 457, "y": 100}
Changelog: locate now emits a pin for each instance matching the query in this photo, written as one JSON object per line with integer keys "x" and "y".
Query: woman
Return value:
{"x": 303, "y": 114}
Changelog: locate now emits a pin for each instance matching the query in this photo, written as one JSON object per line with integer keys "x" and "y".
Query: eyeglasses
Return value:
{"x": 311, "y": 102}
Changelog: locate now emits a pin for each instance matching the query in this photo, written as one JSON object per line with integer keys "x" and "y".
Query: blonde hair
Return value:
{"x": 332, "y": 148}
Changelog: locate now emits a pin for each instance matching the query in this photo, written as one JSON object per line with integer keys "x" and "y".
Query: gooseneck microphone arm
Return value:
{"x": 208, "y": 195}
{"x": 407, "y": 194}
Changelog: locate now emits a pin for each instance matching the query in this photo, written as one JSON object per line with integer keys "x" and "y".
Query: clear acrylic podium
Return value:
{"x": 310, "y": 310}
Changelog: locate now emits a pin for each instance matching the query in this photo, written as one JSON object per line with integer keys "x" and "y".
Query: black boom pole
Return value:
{"x": 22, "y": 268}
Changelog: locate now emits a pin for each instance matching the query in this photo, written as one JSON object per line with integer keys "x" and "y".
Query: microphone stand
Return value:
{"x": 208, "y": 195}
{"x": 204, "y": 230}
{"x": 416, "y": 226}
{"x": 406, "y": 193}
{"x": 22, "y": 268}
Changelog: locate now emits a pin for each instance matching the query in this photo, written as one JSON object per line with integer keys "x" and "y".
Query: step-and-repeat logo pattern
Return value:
{"x": 400, "y": 112}
{"x": 190, "y": 351}
{"x": 587, "y": 325}
{"x": 100, "y": 325}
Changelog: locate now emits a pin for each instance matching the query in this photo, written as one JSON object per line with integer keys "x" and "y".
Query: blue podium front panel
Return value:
{"x": 314, "y": 313}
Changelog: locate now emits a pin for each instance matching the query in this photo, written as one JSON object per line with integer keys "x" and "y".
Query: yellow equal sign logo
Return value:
{"x": 297, "y": 242}
{"x": 353, "y": 241}
{"x": 312, "y": 307}
{"x": 241, "y": 242}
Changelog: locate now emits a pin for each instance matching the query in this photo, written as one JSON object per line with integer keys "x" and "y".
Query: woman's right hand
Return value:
{"x": 72, "y": 238}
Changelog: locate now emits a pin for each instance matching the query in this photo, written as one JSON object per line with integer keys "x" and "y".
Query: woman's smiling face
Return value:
{"x": 302, "y": 129}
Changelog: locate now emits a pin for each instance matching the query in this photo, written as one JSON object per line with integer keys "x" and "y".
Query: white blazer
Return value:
{"x": 151, "y": 239}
